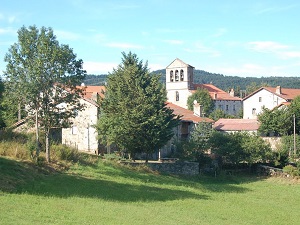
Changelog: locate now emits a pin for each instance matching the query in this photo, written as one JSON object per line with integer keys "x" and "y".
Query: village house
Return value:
{"x": 267, "y": 97}
{"x": 179, "y": 86}
{"x": 82, "y": 134}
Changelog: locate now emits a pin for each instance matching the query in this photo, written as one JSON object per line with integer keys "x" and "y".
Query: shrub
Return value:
{"x": 292, "y": 170}
{"x": 62, "y": 152}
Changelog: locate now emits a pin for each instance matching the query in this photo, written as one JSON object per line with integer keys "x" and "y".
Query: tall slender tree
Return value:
{"x": 134, "y": 114}
{"x": 42, "y": 75}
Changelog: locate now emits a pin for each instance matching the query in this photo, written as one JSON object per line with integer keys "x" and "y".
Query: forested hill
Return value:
{"x": 219, "y": 80}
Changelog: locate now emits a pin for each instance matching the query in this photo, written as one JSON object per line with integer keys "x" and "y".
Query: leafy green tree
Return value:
{"x": 42, "y": 75}
{"x": 238, "y": 147}
{"x": 203, "y": 98}
{"x": 134, "y": 114}
{"x": 255, "y": 149}
{"x": 294, "y": 110}
{"x": 2, "y": 124}
{"x": 198, "y": 144}
{"x": 276, "y": 121}
{"x": 218, "y": 114}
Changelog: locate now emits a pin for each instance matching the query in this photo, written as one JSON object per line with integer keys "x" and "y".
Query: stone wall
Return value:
{"x": 179, "y": 168}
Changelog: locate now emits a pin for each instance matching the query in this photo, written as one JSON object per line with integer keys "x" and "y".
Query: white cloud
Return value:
{"x": 123, "y": 45}
{"x": 266, "y": 46}
{"x": 279, "y": 50}
{"x": 66, "y": 35}
{"x": 251, "y": 70}
{"x": 174, "y": 42}
{"x": 154, "y": 67}
{"x": 8, "y": 30}
{"x": 99, "y": 67}
{"x": 200, "y": 48}
{"x": 220, "y": 32}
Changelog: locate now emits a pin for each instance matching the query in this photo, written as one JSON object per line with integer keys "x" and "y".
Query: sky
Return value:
{"x": 257, "y": 38}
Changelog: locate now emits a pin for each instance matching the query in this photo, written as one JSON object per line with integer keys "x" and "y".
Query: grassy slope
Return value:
{"x": 110, "y": 194}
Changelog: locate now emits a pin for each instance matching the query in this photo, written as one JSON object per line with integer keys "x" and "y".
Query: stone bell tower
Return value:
{"x": 179, "y": 82}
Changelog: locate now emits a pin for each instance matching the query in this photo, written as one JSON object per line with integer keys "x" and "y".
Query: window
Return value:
{"x": 254, "y": 111}
{"x": 74, "y": 130}
{"x": 171, "y": 76}
{"x": 227, "y": 107}
{"x": 176, "y": 75}
{"x": 233, "y": 107}
{"x": 181, "y": 75}
{"x": 259, "y": 99}
{"x": 177, "y": 96}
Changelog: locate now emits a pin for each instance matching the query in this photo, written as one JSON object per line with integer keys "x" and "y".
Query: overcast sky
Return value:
{"x": 232, "y": 37}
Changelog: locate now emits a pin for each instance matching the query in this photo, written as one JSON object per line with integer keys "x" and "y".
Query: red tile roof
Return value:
{"x": 236, "y": 125}
{"x": 286, "y": 93}
{"x": 89, "y": 90}
{"x": 213, "y": 90}
{"x": 187, "y": 115}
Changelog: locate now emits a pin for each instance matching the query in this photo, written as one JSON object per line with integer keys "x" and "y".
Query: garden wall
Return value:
{"x": 180, "y": 168}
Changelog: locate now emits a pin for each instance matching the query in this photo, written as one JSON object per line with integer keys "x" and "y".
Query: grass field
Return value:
{"x": 106, "y": 193}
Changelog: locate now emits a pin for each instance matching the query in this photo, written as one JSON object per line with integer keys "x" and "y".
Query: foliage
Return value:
{"x": 134, "y": 114}
{"x": 292, "y": 170}
{"x": 276, "y": 121}
{"x": 218, "y": 114}
{"x": 238, "y": 147}
{"x": 42, "y": 75}
{"x": 203, "y": 98}
{"x": 2, "y": 123}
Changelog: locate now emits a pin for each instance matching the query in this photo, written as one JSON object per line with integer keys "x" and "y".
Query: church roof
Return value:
{"x": 215, "y": 92}
{"x": 178, "y": 63}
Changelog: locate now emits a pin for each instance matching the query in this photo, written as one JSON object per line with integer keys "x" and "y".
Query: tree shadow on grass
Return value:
{"x": 221, "y": 183}
{"x": 24, "y": 178}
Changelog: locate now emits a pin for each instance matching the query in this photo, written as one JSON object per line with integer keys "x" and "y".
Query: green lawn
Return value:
{"x": 106, "y": 193}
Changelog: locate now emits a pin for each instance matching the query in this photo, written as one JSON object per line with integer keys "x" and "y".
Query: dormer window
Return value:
{"x": 176, "y": 75}
{"x": 181, "y": 75}
{"x": 171, "y": 76}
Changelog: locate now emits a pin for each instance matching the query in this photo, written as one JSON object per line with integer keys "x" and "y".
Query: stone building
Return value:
{"x": 82, "y": 134}
{"x": 179, "y": 86}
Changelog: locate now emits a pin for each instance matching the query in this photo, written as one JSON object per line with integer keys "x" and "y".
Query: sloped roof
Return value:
{"x": 89, "y": 90}
{"x": 187, "y": 115}
{"x": 181, "y": 62}
{"x": 220, "y": 94}
{"x": 236, "y": 125}
{"x": 286, "y": 93}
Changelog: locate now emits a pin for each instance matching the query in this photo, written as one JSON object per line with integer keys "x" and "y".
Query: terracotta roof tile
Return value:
{"x": 236, "y": 125}
{"x": 213, "y": 90}
{"x": 187, "y": 115}
{"x": 286, "y": 93}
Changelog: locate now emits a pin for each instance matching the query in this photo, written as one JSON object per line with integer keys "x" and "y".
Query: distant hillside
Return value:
{"x": 219, "y": 80}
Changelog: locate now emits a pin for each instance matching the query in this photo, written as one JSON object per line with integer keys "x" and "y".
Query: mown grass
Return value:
{"x": 107, "y": 193}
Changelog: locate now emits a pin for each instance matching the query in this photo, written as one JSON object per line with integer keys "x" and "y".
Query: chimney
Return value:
{"x": 197, "y": 109}
{"x": 94, "y": 96}
{"x": 215, "y": 95}
{"x": 278, "y": 90}
{"x": 231, "y": 93}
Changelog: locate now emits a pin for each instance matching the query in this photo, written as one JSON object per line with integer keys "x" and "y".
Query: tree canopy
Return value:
{"x": 134, "y": 114}
{"x": 42, "y": 75}
{"x": 203, "y": 98}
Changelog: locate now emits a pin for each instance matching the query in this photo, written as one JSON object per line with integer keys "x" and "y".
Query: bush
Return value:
{"x": 292, "y": 170}
{"x": 62, "y": 152}
{"x": 14, "y": 149}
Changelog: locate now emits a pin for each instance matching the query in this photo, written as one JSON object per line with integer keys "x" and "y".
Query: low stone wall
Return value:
{"x": 271, "y": 171}
{"x": 180, "y": 168}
